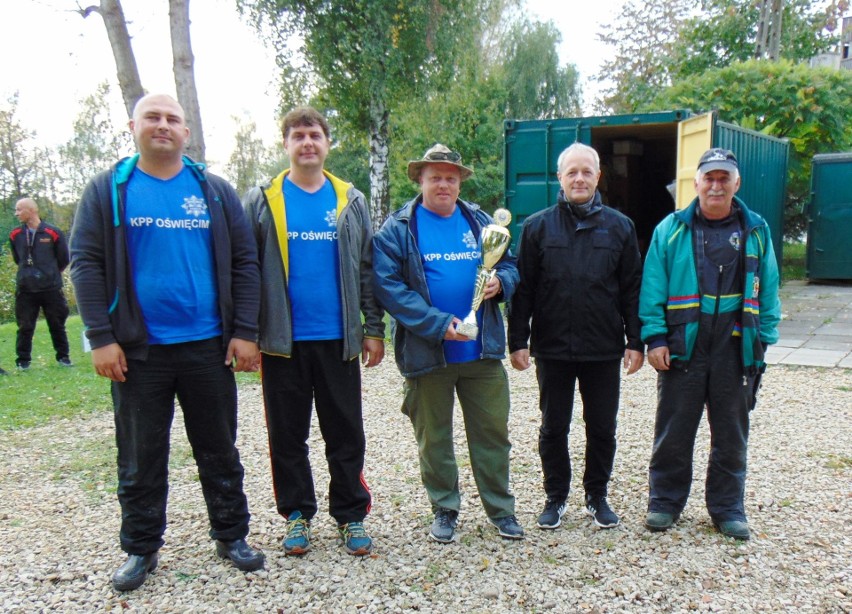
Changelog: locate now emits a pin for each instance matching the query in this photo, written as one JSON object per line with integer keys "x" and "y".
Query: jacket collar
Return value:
{"x": 749, "y": 219}
{"x": 124, "y": 168}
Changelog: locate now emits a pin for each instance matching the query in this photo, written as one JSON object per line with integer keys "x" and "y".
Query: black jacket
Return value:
{"x": 101, "y": 271}
{"x": 49, "y": 257}
{"x": 579, "y": 285}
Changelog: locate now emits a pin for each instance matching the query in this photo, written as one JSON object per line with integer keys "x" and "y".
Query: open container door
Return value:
{"x": 694, "y": 137}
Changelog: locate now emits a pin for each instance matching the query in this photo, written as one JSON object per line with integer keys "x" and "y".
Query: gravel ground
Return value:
{"x": 59, "y": 521}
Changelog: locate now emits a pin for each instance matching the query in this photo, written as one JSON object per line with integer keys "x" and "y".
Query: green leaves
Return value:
{"x": 809, "y": 106}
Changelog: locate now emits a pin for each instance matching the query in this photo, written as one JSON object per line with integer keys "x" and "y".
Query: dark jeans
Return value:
{"x": 144, "y": 408}
{"x": 714, "y": 378}
{"x": 599, "y": 389}
{"x": 316, "y": 373}
{"x": 27, "y": 307}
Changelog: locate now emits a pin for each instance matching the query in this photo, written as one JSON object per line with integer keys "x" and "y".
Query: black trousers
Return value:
{"x": 713, "y": 379}
{"x": 195, "y": 372}
{"x": 316, "y": 374}
{"x": 27, "y": 307}
{"x": 599, "y": 389}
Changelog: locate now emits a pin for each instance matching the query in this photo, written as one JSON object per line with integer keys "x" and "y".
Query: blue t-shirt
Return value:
{"x": 170, "y": 244}
{"x": 313, "y": 283}
{"x": 451, "y": 255}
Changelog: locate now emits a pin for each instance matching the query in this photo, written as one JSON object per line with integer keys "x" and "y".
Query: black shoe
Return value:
{"x": 599, "y": 509}
{"x": 2, "y": 371}
{"x": 243, "y": 556}
{"x": 551, "y": 517}
{"x": 23, "y": 365}
{"x": 132, "y": 574}
{"x": 64, "y": 362}
{"x": 738, "y": 529}
{"x": 660, "y": 521}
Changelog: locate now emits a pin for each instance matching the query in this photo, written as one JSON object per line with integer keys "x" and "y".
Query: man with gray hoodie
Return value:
{"x": 314, "y": 237}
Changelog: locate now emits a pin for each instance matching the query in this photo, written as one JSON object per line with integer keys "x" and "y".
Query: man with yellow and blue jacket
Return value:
{"x": 709, "y": 308}
{"x": 314, "y": 239}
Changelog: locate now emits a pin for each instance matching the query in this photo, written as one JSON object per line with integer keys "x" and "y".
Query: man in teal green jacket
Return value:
{"x": 709, "y": 308}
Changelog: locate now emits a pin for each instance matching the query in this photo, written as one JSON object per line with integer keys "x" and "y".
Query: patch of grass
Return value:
{"x": 183, "y": 576}
{"x": 793, "y": 264}
{"x": 835, "y": 461}
{"x": 434, "y": 572}
{"x": 92, "y": 462}
{"x": 47, "y": 390}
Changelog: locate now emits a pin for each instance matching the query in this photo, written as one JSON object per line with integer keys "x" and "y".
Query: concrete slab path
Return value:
{"x": 816, "y": 326}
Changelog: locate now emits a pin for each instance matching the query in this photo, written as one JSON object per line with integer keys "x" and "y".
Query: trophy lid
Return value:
{"x": 502, "y": 217}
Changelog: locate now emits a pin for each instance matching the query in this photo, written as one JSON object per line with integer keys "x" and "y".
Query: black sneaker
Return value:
{"x": 599, "y": 509}
{"x": 551, "y": 517}
{"x": 508, "y": 527}
{"x": 444, "y": 526}
{"x": 64, "y": 361}
{"x": 22, "y": 365}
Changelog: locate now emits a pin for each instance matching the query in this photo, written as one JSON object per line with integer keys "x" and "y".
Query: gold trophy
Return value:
{"x": 495, "y": 240}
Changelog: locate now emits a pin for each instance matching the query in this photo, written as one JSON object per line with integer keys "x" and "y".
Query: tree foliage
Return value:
{"x": 726, "y": 32}
{"x": 660, "y": 42}
{"x": 809, "y": 106}
{"x": 20, "y": 159}
{"x": 537, "y": 86}
{"x": 94, "y": 145}
{"x": 403, "y": 77}
{"x": 363, "y": 57}
{"x": 643, "y": 36}
{"x": 252, "y": 162}
{"x": 466, "y": 117}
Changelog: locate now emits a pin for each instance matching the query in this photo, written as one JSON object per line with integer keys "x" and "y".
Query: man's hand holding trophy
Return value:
{"x": 495, "y": 239}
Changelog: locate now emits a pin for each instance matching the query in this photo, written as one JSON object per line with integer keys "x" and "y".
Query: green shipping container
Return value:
{"x": 642, "y": 154}
{"x": 830, "y": 217}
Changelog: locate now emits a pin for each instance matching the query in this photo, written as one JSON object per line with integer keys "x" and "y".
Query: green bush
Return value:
{"x": 7, "y": 288}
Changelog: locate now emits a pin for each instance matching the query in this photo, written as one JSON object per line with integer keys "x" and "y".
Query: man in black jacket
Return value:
{"x": 41, "y": 253}
{"x": 580, "y": 273}
{"x": 168, "y": 286}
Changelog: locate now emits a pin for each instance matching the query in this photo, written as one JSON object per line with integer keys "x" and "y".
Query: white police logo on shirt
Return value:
{"x": 194, "y": 206}
{"x": 331, "y": 218}
{"x": 469, "y": 240}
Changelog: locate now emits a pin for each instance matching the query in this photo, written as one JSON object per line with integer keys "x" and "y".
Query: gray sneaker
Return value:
{"x": 444, "y": 526}
{"x": 508, "y": 527}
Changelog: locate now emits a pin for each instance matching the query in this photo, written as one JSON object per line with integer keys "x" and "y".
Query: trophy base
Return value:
{"x": 468, "y": 329}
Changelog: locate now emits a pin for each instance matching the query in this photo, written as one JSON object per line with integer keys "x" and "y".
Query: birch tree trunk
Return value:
{"x": 184, "y": 72}
{"x": 119, "y": 40}
{"x": 379, "y": 171}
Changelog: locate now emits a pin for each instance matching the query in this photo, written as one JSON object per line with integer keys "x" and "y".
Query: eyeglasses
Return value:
{"x": 443, "y": 156}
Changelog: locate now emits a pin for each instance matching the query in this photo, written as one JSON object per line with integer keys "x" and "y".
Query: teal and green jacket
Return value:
{"x": 671, "y": 300}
